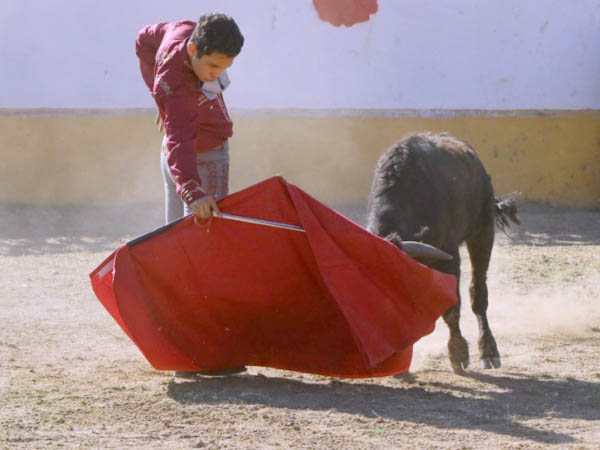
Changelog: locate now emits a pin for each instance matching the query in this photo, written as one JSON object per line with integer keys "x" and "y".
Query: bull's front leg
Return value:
{"x": 458, "y": 349}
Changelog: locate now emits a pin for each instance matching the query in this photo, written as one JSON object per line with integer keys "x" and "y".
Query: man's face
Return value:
{"x": 208, "y": 67}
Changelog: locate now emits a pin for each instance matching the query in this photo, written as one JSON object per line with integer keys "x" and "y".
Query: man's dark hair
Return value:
{"x": 217, "y": 33}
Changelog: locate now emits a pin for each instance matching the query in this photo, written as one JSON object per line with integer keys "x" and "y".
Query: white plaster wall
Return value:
{"x": 422, "y": 54}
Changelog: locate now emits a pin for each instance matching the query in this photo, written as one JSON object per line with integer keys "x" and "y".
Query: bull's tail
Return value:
{"x": 505, "y": 211}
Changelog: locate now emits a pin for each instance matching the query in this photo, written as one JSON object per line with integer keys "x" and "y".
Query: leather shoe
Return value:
{"x": 209, "y": 373}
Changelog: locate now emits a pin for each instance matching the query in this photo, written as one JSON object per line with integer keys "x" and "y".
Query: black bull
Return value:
{"x": 433, "y": 188}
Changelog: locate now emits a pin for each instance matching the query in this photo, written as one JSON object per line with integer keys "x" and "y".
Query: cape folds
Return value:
{"x": 335, "y": 300}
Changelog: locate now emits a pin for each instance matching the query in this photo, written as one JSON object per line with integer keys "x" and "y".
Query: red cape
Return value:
{"x": 335, "y": 300}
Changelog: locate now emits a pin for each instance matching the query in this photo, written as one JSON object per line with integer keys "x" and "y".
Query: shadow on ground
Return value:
{"x": 500, "y": 411}
{"x": 49, "y": 230}
{"x": 545, "y": 225}
{"x": 541, "y": 225}
{"x": 53, "y": 230}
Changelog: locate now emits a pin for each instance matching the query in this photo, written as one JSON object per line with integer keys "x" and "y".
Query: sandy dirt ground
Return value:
{"x": 70, "y": 378}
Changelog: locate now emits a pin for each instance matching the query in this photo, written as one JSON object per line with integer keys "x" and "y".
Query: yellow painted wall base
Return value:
{"x": 75, "y": 157}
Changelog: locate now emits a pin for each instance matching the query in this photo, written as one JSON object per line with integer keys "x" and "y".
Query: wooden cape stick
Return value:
{"x": 267, "y": 223}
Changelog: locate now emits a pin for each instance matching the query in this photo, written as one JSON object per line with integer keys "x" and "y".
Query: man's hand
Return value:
{"x": 203, "y": 209}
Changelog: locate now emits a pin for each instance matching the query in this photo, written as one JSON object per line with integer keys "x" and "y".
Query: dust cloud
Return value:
{"x": 550, "y": 311}
{"x": 571, "y": 311}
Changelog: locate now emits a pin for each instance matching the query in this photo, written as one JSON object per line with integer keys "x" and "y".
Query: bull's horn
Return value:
{"x": 424, "y": 251}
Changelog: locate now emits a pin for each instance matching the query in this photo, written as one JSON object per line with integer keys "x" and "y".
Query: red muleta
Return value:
{"x": 335, "y": 300}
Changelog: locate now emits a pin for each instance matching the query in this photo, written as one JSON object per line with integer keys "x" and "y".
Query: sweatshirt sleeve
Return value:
{"x": 146, "y": 44}
{"x": 182, "y": 132}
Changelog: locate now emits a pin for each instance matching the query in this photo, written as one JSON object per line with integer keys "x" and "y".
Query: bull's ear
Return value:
{"x": 395, "y": 239}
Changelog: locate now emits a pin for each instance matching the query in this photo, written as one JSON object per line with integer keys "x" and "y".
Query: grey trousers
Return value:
{"x": 213, "y": 170}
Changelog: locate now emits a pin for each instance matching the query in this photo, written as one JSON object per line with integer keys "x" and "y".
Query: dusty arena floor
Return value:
{"x": 70, "y": 378}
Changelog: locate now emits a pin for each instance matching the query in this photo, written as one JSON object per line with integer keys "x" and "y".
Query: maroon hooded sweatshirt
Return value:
{"x": 193, "y": 123}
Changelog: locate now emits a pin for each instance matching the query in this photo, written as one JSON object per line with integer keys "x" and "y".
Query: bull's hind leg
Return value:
{"x": 458, "y": 349}
{"x": 480, "y": 251}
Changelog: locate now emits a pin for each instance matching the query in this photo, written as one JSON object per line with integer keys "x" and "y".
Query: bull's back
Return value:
{"x": 430, "y": 187}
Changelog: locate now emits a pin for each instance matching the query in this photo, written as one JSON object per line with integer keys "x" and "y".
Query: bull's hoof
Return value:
{"x": 458, "y": 351}
{"x": 459, "y": 369}
{"x": 489, "y": 363}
